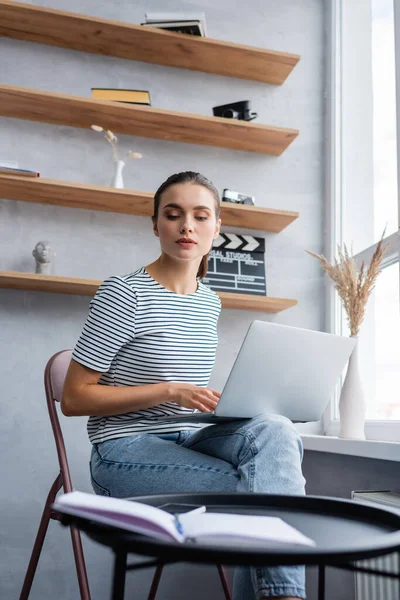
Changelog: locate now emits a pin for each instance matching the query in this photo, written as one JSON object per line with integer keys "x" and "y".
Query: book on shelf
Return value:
{"x": 188, "y": 27}
{"x": 174, "y": 16}
{"x": 118, "y": 95}
{"x": 165, "y": 17}
{"x": 174, "y": 526}
{"x": 16, "y": 171}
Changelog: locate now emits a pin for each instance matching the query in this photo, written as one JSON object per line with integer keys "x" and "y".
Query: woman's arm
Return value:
{"x": 84, "y": 396}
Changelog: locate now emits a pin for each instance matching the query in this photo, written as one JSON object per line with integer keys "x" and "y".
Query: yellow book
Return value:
{"x": 130, "y": 96}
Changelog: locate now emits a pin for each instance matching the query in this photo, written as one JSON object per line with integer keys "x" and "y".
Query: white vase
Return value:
{"x": 118, "y": 181}
{"x": 352, "y": 405}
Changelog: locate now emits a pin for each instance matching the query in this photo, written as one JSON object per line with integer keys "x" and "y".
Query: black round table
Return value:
{"x": 344, "y": 531}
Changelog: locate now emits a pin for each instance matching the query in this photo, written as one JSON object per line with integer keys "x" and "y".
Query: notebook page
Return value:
{"x": 246, "y": 527}
{"x": 133, "y": 516}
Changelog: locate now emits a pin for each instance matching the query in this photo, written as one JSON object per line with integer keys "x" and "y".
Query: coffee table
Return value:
{"x": 344, "y": 531}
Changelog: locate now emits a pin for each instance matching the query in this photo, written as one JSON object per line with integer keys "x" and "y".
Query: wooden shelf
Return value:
{"x": 131, "y": 119}
{"x": 87, "y": 287}
{"x": 48, "y": 283}
{"x": 113, "y": 38}
{"x": 96, "y": 197}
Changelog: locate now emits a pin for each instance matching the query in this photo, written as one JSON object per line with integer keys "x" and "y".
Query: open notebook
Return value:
{"x": 196, "y": 525}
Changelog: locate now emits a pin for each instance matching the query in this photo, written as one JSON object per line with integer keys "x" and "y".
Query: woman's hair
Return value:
{"x": 196, "y": 179}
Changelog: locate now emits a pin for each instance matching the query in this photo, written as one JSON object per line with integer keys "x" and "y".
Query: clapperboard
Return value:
{"x": 237, "y": 264}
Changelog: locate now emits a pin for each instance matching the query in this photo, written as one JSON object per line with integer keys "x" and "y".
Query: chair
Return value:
{"x": 54, "y": 376}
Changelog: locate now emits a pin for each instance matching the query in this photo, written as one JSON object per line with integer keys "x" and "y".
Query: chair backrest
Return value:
{"x": 56, "y": 370}
{"x": 54, "y": 377}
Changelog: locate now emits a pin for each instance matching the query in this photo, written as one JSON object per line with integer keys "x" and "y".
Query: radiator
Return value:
{"x": 371, "y": 587}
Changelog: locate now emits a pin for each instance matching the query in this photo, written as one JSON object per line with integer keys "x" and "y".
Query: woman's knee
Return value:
{"x": 275, "y": 428}
{"x": 278, "y": 452}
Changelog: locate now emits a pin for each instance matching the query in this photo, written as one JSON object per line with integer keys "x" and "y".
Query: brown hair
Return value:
{"x": 196, "y": 179}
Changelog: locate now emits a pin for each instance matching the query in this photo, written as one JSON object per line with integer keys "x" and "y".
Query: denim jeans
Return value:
{"x": 261, "y": 455}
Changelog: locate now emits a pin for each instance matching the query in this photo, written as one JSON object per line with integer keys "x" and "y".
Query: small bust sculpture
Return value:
{"x": 43, "y": 254}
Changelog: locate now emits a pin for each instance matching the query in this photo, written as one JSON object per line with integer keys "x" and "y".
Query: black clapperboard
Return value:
{"x": 237, "y": 264}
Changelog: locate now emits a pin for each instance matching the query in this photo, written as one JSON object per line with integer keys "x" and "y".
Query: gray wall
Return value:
{"x": 95, "y": 245}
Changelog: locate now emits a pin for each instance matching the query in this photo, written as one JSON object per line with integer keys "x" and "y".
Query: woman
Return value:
{"x": 148, "y": 348}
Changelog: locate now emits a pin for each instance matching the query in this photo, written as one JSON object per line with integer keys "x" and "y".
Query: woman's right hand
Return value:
{"x": 194, "y": 397}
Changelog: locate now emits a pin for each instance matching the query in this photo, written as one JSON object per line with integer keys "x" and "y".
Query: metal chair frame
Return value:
{"x": 63, "y": 480}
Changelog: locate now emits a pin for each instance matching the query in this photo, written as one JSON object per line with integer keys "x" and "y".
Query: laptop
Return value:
{"x": 279, "y": 370}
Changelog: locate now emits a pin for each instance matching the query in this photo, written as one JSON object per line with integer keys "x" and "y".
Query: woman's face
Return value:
{"x": 187, "y": 212}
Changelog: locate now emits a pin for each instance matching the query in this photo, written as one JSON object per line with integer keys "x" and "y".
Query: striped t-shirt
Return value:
{"x": 137, "y": 332}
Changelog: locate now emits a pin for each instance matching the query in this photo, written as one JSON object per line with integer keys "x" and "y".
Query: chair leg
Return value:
{"x": 158, "y": 573}
{"x": 41, "y": 534}
{"x": 155, "y": 582}
{"x": 80, "y": 564}
{"x": 224, "y": 581}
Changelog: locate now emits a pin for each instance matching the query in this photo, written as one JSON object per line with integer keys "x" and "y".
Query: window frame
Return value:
{"x": 347, "y": 18}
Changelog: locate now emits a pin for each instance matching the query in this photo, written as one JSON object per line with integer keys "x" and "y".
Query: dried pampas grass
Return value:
{"x": 112, "y": 140}
{"x": 354, "y": 287}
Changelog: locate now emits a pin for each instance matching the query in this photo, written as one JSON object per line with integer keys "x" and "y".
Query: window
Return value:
{"x": 363, "y": 191}
{"x": 385, "y": 193}
{"x": 385, "y": 401}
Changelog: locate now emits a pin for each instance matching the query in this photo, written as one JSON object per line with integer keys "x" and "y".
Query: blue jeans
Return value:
{"x": 261, "y": 455}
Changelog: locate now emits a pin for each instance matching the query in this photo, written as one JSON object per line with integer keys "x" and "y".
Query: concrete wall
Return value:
{"x": 97, "y": 244}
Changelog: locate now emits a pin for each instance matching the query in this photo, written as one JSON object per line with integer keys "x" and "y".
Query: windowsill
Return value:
{"x": 363, "y": 448}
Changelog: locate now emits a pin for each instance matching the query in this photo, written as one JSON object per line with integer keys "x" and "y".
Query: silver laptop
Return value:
{"x": 280, "y": 370}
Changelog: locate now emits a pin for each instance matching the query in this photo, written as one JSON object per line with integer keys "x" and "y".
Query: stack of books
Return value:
{"x": 180, "y": 22}
{"x": 117, "y": 95}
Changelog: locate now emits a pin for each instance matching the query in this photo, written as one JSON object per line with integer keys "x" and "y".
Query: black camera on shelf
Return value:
{"x": 235, "y": 110}
{"x": 236, "y": 198}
